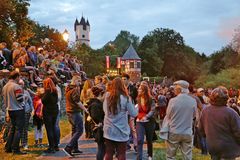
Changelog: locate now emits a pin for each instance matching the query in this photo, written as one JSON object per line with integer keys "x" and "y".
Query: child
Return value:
{"x": 37, "y": 117}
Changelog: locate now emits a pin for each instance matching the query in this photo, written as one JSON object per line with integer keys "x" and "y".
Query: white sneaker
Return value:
{"x": 149, "y": 158}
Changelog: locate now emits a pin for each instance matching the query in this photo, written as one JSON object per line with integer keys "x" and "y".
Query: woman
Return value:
{"x": 95, "y": 108}
{"x": 221, "y": 127}
{"x": 116, "y": 106}
{"x": 85, "y": 96}
{"x": 145, "y": 121}
{"x": 50, "y": 112}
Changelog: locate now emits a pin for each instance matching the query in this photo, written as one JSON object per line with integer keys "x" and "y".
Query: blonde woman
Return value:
{"x": 86, "y": 94}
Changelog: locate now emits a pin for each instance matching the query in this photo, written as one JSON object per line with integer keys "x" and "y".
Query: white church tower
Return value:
{"x": 82, "y": 31}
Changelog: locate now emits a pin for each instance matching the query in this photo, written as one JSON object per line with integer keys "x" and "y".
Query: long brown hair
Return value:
{"x": 49, "y": 85}
{"x": 117, "y": 89}
{"x": 146, "y": 95}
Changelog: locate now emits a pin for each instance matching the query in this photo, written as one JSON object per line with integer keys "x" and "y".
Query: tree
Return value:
{"x": 93, "y": 61}
{"x": 164, "y": 53}
{"x": 121, "y": 43}
{"x": 14, "y": 23}
{"x": 55, "y": 37}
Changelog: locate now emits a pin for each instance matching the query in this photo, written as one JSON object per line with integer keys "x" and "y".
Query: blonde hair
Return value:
{"x": 88, "y": 84}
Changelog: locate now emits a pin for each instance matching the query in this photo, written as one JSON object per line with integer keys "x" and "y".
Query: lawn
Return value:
{"x": 33, "y": 151}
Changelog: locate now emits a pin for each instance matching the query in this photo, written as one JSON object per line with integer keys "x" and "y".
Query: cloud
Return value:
{"x": 203, "y": 24}
{"x": 227, "y": 27}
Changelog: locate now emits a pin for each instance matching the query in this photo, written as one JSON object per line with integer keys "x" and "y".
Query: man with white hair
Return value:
{"x": 179, "y": 116}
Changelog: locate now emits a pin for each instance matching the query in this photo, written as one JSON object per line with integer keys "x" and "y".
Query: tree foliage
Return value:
{"x": 14, "y": 23}
{"x": 120, "y": 44}
{"x": 41, "y": 32}
{"x": 93, "y": 61}
{"x": 164, "y": 53}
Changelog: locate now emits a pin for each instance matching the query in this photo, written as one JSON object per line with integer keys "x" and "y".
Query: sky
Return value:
{"x": 206, "y": 25}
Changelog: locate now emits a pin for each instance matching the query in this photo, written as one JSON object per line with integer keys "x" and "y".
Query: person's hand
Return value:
{"x": 144, "y": 118}
{"x": 32, "y": 114}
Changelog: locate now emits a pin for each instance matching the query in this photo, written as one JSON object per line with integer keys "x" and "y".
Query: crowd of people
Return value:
{"x": 114, "y": 112}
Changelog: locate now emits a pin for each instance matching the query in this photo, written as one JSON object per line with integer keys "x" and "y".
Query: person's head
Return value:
{"x": 117, "y": 89}
{"x": 1, "y": 46}
{"x": 200, "y": 92}
{"x": 96, "y": 91}
{"x": 109, "y": 86}
{"x": 98, "y": 79}
{"x": 39, "y": 91}
{"x": 125, "y": 78}
{"x": 32, "y": 49}
{"x": 16, "y": 45}
{"x": 4, "y": 44}
{"x": 76, "y": 80}
{"x": 144, "y": 93}
{"x": 49, "y": 85}
{"x": 105, "y": 79}
{"x": 219, "y": 96}
{"x": 21, "y": 83}
{"x": 14, "y": 75}
{"x": 181, "y": 86}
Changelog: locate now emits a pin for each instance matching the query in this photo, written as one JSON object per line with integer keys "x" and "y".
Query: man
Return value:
{"x": 13, "y": 99}
{"x": 180, "y": 114}
{"x": 132, "y": 91}
{"x": 7, "y": 53}
{"x": 221, "y": 127}
{"x": 98, "y": 82}
{"x": 73, "y": 109}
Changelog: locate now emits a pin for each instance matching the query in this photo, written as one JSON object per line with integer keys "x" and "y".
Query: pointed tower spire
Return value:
{"x": 75, "y": 24}
{"x": 82, "y": 21}
{"x": 87, "y": 23}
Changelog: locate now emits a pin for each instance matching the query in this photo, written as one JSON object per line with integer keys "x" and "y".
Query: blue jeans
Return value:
{"x": 17, "y": 124}
{"x": 57, "y": 128}
{"x": 147, "y": 128}
{"x": 76, "y": 120}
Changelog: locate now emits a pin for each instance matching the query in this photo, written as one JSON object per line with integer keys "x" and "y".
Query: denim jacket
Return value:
{"x": 115, "y": 127}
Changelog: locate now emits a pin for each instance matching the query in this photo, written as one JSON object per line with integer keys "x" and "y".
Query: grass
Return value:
{"x": 33, "y": 151}
{"x": 160, "y": 152}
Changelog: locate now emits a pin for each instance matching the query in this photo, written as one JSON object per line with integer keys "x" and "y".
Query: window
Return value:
{"x": 138, "y": 64}
{"x": 83, "y": 36}
{"x": 131, "y": 64}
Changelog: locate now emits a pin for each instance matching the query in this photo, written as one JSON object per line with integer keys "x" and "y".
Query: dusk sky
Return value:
{"x": 206, "y": 25}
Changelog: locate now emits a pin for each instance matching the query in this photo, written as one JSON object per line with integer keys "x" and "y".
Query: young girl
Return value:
{"x": 37, "y": 117}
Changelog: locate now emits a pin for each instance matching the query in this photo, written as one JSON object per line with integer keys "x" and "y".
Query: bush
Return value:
{"x": 228, "y": 78}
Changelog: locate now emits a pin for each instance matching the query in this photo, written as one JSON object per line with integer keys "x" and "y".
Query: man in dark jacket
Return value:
{"x": 73, "y": 109}
{"x": 133, "y": 93}
{"x": 221, "y": 126}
